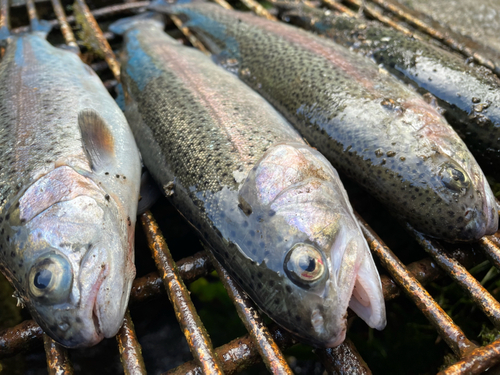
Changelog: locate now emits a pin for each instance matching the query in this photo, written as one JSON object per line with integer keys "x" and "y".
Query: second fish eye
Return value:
{"x": 454, "y": 177}
{"x": 305, "y": 265}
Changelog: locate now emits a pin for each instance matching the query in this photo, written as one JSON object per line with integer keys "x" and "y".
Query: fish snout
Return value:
{"x": 106, "y": 279}
{"x": 330, "y": 333}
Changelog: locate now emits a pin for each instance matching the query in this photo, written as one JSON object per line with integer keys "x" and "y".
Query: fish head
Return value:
{"x": 446, "y": 190}
{"x": 317, "y": 254}
{"x": 77, "y": 248}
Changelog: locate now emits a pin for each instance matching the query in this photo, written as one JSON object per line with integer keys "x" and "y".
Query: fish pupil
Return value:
{"x": 307, "y": 264}
{"x": 42, "y": 279}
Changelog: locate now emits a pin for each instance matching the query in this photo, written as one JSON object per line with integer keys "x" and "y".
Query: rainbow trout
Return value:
{"x": 367, "y": 123}
{"x": 69, "y": 181}
{"x": 468, "y": 94}
{"x": 272, "y": 208}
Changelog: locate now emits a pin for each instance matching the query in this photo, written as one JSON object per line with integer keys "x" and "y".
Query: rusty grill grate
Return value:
{"x": 264, "y": 343}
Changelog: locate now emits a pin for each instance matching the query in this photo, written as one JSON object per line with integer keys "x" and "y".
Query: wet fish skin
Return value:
{"x": 468, "y": 94}
{"x": 369, "y": 125}
{"x": 69, "y": 180}
{"x": 244, "y": 178}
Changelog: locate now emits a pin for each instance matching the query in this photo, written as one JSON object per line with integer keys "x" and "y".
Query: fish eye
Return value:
{"x": 305, "y": 265}
{"x": 454, "y": 178}
{"x": 50, "y": 279}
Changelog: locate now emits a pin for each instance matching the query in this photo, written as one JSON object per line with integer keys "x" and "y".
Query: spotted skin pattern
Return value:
{"x": 54, "y": 208}
{"x": 468, "y": 94}
{"x": 369, "y": 125}
{"x": 245, "y": 179}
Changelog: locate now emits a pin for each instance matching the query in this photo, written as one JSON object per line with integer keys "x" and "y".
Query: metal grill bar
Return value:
{"x": 238, "y": 354}
{"x": 459, "y": 274}
{"x": 130, "y": 349}
{"x": 258, "y": 9}
{"x": 196, "y": 335}
{"x": 477, "y": 361}
{"x": 268, "y": 349}
{"x": 490, "y": 244}
{"x": 188, "y": 34}
{"x": 98, "y": 13}
{"x": 337, "y": 6}
{"x": 374, "y": 13}
{"x": 454, "y": 40}
{"x": 58, "y": 362}
{"x": 448, "y": 330}
{"x": 90, "y": 22}
{"x": 68, "y": 35}
{"x": 343, "y": 360}
{"x": 4, "y": 15}
{"x": 23, "y": 337}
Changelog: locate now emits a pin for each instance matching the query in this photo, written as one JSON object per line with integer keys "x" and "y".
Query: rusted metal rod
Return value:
{"x": 478, "y": 361}
{"x": 337, "y": 6}
{"x": 268, "y": 349}
{"x": 30, "y": 5}
{"x": 68, "y": 35}
{"x": 238, "y": 354}
{"x": 103, "y": 44}
{"x": 258, "y": 9}
{"x": 370, "y": 11}
{"x": 454, "y": 40}
{"x": 459, "y": 274}
{"x": 130, "y": 349}
{"x": 194, "y": 330}
{"x": 490, "y": 246}
{"x": 58, "y": 362}
{"x": 98, "y": 13}
{"x": 151, "y": 286}
{"x": 447, "y": 329}
{"x": 4, "y": 15}
{"x": 344, "y": 360}
{"x": 23, "y": 337}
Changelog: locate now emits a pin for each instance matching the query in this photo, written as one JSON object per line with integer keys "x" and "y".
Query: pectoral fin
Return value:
{"x": 97, "y": 140}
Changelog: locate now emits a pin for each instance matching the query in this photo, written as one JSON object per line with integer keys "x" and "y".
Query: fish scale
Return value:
{"x": 369, "y": 125}
{"x": 69, "y": 181}
{"x": 468, "y": 94}
{"x": 245, "y": 179}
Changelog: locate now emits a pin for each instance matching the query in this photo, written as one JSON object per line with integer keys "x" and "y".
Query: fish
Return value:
{"x": 479, "y": 22}
{"x": 272, "y": 209}
{"x": 370, "y": 126}
{"x": 468, "y": 95}
{"x": 69, "y": 187}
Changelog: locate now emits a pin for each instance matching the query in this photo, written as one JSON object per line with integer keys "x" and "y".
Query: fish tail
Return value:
{"x": 41, "y": 27}
{"x": 121, "y": 26}
{"x": 4, "y": 35}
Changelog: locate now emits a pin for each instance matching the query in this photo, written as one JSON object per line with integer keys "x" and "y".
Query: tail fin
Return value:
{"x": 121, "y": 26}
{"x": 41, "y": 27}
{"x": 4, "y": 35}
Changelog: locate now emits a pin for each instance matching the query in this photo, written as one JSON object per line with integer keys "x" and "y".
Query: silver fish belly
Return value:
{"x": 69, "y": 180}
{"x": 272, "y": 208}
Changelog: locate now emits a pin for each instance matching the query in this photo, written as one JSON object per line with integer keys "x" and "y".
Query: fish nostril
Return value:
{"x": 468, "y": 215}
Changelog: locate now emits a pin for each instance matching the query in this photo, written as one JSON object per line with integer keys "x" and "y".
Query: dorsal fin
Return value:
{"x": 97, "y": 140}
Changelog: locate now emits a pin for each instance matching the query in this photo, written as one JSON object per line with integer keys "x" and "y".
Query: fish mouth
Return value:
{"x": 97, "y": 332}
